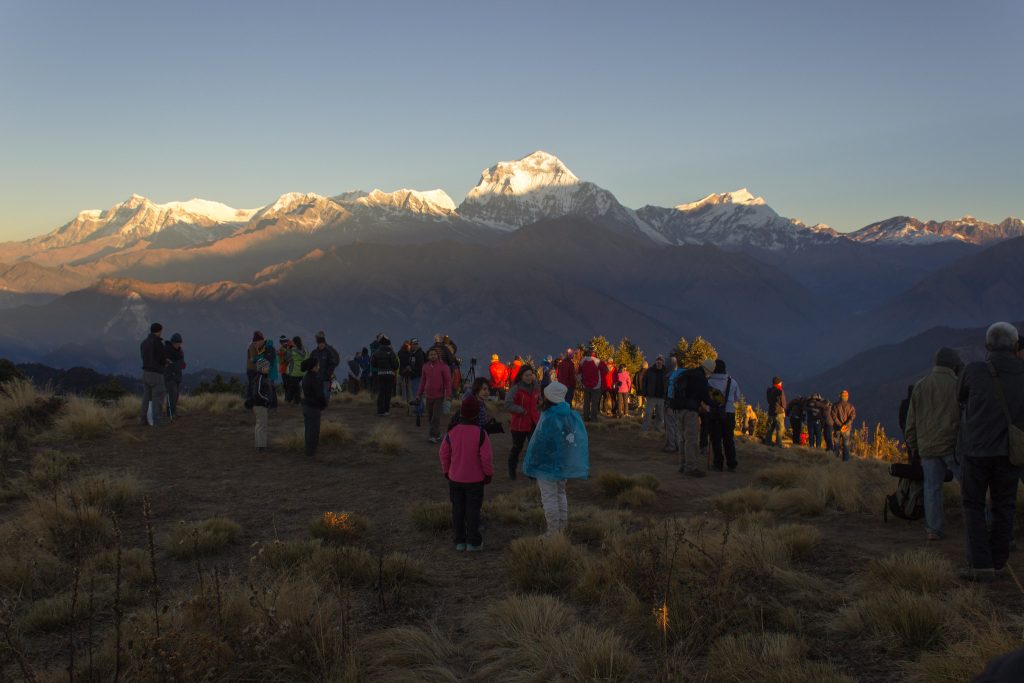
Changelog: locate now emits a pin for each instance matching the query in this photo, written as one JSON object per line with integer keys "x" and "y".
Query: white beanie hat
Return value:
{"x": 555, "y": 392}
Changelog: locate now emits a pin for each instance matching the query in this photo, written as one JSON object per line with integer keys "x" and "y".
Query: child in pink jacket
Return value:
{"x": 466, "y": 460}
{"x": 624, "y": 385}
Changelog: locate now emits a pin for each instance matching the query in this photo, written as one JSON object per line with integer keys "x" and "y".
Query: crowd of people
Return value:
{"x": 959, "y": 419}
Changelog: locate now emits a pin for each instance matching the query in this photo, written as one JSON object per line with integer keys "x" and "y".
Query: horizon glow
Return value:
{"x": 835, "y": 113}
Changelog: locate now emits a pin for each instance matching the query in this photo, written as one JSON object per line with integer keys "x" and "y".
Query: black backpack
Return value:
{"x": 678, "y": 400}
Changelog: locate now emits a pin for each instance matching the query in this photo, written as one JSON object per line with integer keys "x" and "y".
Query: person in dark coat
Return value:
{"x": 654, "y": 384}
{"x": 843, "y": 415}
{"x": 154, "y": 363}
{"x": 993, "y": 393}
{"x": 795, "y": 413}
{"x": 776, "y": 413}
{"x": 313, "y": 404}
{"x": 385, "y": 363}
{"x": 173, "y": 372}
{"x": 327, "y": 360}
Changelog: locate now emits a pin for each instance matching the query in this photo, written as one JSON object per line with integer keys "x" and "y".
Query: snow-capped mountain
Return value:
{"x": 539, "y": 186}
{"x": 297, "y": 212}
{"x": 906, "y": 230}
{"x": 733, "y": 220}
{"x": 422, "y": 203}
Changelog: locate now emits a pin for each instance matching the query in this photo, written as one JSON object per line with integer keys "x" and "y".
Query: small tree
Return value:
{"x": 680, "y": 350}
{"x": 699, "y": 351}
{"x": 628, "y": 355}
{"x": 602, "y": 349}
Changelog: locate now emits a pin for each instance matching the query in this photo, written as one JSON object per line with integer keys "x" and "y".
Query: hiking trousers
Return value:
{"x": 723, "y": 440}
{"x": 467, "y": 499}
{"x": 555, "y": 503}
{"x": 776, "y": 428}
{"x": 153, "y": 391}
{"x": 673, "y": 429}
{"x": 173, "y": 391}
{"x": 261, "y": 426}
{"x": 934, "y": 501}
{"x": 385, "y": 390}
{"x": 591, "y": 403}
{"x": 654, "y": 406}
{"x": 311, "y": 425}
{"x": 691, "y": 441}
{"x": 814, "y": 433}
{"x": 988, "y": 548}
{"x": 434, "y": 416}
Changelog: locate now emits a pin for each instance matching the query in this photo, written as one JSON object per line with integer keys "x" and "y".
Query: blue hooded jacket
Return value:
{"x": 559, "y": 449}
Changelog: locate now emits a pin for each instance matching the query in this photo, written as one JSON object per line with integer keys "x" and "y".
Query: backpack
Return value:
{"x": 720, "y": 399}
{"x": 1014, "y": 434}
{"x": 907, "y": 502}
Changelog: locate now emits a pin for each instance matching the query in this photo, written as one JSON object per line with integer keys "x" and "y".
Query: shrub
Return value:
{"x": 917, "y": 570}
{"x": 798, "y": 538}
{"x": 637, "y": 497}
{"x": 136, "y": 569}
{"x": 547, "y": 564}
{"x": 69, "y": 523}
{"x": 189, "y": 540}
{"x": 740, "y": 501}
{"x": 647, "y": 481}
{"x": 409, "y": 654}
{"x": 434, "y": 517}
{"x": 27, "y": 567}
{"x": 590, "y": 524}
{"x": 338, "y": 527}
{"x": 334, "y": 434}
{"x": 106, "y": 491}
{"x": 614, "y": 483}
{"x": 386, "y": 438}
{"x": 85, "y": 419}
{"x": 795, "y": 501}
{"x": 280, "y": 556}
{"x": 767, "y": 657}
{"x": 897, "y": 617}
{"x": 50, "y": 468}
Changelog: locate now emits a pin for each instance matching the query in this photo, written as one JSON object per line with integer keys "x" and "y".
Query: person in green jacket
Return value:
{"x": 296, "y": 353}
{"x": 933, "y": 421}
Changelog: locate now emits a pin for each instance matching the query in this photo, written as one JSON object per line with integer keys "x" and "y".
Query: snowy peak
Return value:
{"x": 416, "y": 202}
{"x": 741, "y": 197}
{"x": 535, "y": 172}
{"x": 907, "y": 230}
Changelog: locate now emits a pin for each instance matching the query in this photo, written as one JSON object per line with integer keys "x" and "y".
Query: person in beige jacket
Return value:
{"x": 933, "y": 421}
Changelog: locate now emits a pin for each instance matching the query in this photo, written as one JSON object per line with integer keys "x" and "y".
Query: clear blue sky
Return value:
{"x": 835, "y": 112}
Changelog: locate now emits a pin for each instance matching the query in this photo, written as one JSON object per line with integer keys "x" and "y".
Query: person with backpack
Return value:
{"x": 173, "y": 373}
{"x": 327, "y": 361}
{"x": 795, "y": 413}
{"x": 623, "y": 387}
{"x": 294, "y": 375}
{"x": 776, "y": 413}
{"x": 435, "y": 387}
{"x": 385, "y": 362}
{"x": 567, "y": 374}
{"x": 608, "y": 392}
{"x": 260, "y": 390}
{"x": 993, "y": 393}
{"x": 843, "y": 415}
{"x": 725, "y": 393}
{"x": 590, "y": 384}
{"x": 932, "y": 424}
{"x": 558, "y": 451}
{"x": 814, "y": 413}
{"x": 467, "y": 464}
{"x": 654, "y": 384}
{"x": 522, "y": 402}
{"x": 499, "y": 377}
{"x": 673, "y": 416}
{"x": 692, "y": 396}
{"x": 313, "y": 405}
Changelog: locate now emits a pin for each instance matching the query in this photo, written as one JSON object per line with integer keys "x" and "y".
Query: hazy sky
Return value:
{"x": 835, "y": 112}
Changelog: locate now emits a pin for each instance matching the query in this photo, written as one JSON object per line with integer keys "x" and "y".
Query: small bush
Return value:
{"x": 136, "y": 569}
{"x": 385, "y": 438}
{"x": 106, "y": 491}
{"x": 69, "y": 523}
{"x": 334, "y": 434}
{"x": 434, "y": 517}
{"x": 409, "y": 654}
{"x": 85, "y": 419}
{"x": 189, "y": 540}
{"x": 740, "y": 501}
{"x": 795, "y": 501}
{"x": 589, "y": 524}
{"x": 546, "y": 564}
{"x": 339, "y": 527}
{"x": 637, "y": 497}
{"x": 917, "y": 570}
{"x": 647, "y": 481}
{"x": 798, "y": 538}
{"x": 27, "y": 567}
{"x": 769, "y": 658}
{"x": 614, "y": 483}
{"x": 897, "y": 617}
{"x": 50, "y": 468}
{"x": 280, "y": 556}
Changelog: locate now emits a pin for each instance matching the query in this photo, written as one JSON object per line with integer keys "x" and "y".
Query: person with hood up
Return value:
{"x": 655, "y": 381}
{"x": 590, "y": 384}
{"x": 467, "y": 463}
{"x": 522, "y": 402}
{"x": 993, "y": 392}
{"x": 725, "y": 392}
{"x": 843, "y": 415}
{"x": 558, "y": 451}
{"x": 932, "y": 424}
{"x": 385, "y": 362}
{"x": 499, "y": 377}
{"x": 567, "y": 374}
{"x": 173, "y": 373}
{"x": 776, "y": 413}
{"x": 313, "y": 404}
{"x": 623, "y": 388}
{"x": 436, "y": 386}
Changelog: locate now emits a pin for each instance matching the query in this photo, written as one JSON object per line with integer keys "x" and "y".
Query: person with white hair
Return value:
{"x": 993, "y": 393}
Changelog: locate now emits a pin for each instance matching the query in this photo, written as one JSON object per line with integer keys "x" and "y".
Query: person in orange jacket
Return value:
{"x": 499, "y": 376}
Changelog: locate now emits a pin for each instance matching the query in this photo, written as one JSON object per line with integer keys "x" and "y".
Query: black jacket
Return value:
{"x": 313, "y": 391}
{"x": 695, "y": 390}
{"x": 154, "y": 357}
{"x": 176, "y": 361}
{"x": 384, "y": 361}
{"x": 776, "y": 400}
{"x": 419, "y": 359}
{"x": 259, "y": 391}
{"x": 985, "y": 423}
{"x": 328, "y": 359}
{"x": 655, "y": 382}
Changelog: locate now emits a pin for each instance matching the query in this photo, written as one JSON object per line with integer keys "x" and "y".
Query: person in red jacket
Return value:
{"x": 466, "y": 460}
{"x": 590, "y": 384}
{"x": 499, "y": 377}
{"x": 513, "y": 370}
{"x": 567, "y": 374}
{"x": 523, "y": 402}
{"x": 608, "y": 393}
{"x": 436, "y": 386}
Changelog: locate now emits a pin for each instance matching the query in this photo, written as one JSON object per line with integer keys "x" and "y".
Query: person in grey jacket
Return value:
{"x": 986, "y": 469}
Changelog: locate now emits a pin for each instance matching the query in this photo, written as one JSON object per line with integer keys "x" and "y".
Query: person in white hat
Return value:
{"x": 559, "y": 450}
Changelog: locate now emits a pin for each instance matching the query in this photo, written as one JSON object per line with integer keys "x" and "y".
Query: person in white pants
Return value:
{"x": 558, "y": 451}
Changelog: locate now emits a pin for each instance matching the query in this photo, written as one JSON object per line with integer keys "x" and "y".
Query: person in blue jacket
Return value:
{"x": 559, "y": 450}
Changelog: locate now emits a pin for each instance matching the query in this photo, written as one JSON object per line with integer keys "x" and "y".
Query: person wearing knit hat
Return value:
{"x": 499, "y": 377}
{"x": 933, "y": 422}
{"x": 254, "y": 351}
{"x": 695, "y": 392}
{"x": 776, "y": 413}
{"x": 559, "y": 450}
{"x": 259, "y": 398}
{"x": 467, "y": 463}
{"x": 843, "y": 415}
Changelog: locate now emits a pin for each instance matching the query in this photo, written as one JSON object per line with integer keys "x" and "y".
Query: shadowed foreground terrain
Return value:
{"x": 783, "y": 571}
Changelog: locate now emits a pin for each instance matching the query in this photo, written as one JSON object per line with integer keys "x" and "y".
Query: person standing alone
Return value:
{"x": 843, "y": 415}
{"x": 154, "y": 364}
{"x": 435, "y": 386}
{"x": 313, "y": 404}
{"x": 776, "y": 413}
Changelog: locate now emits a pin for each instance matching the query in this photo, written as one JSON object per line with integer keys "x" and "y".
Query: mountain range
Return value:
{"x": 533, "y": 258}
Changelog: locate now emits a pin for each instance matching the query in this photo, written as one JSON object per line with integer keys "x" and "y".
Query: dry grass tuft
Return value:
{"x": 917, "y": 570}
{"x": 50, "y": 468}
{"x": 334, "y": 434}
{"x": 637, "y": 497}
{"x": 795, "y": 501}
{"x": 282, "y": 556}
{"x": 136, "y": 569}
{"x": 215, "y": 404}
{"x": 965, "y": 659}
{"x": 768, "y": 658}
{"x": 546, "y": 564}
{"x": 294, "y": 442}
{"x": 799, "y": 539}
{"x": 614, "y": 483}
{"x": 538, "y": 638}
{"x": 68, "y": 523}
{"x": 28, "y": 567}
{"x": 407, "y": 654}
{"x": 897, "y": 617}
{"x": 85, "y": 419}
{"x": 189, "y": 540}
{"x": 521, "y": 507}
{"x": 106, "y": 491}
{"x": 386, "y": 438}
{"x": 590, "y": 524}
{"x": 741, "y": 501}
{"x": 432, "y": 517}
{"x": 339, "y": 527}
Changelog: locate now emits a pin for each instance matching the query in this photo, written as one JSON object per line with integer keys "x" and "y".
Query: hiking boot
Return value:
{"x": 460, "y": 546}
{"x": 696, "y": 473}
{"x": 978, "y": 575}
